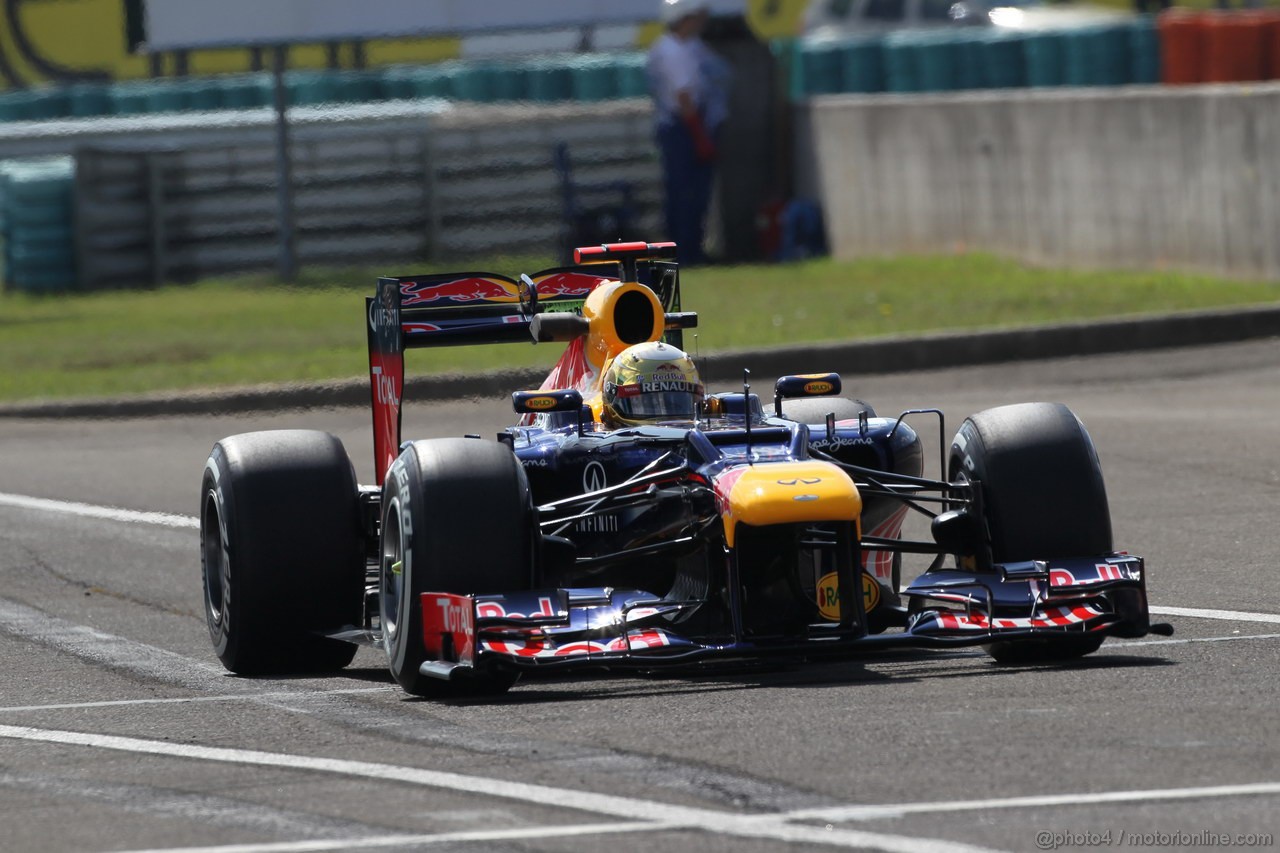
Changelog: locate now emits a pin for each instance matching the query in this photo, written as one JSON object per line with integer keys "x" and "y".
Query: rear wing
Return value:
{"x": 457, "y": 309}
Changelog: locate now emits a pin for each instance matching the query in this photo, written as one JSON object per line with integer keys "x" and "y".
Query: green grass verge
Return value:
{"x": 251, "y": 330}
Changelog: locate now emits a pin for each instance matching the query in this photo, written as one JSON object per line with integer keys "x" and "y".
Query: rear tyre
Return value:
{"x": 813, "y": 410}
{"x": 1043, "y": 498}
{"x": 282, "y": 551}
{"x": 458, "y": 517}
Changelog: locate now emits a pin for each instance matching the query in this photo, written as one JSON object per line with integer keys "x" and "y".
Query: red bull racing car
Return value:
{"x": 631, "y": 520}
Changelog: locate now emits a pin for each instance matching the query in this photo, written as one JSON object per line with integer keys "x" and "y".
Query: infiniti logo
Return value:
{"x": 593, "y": 477}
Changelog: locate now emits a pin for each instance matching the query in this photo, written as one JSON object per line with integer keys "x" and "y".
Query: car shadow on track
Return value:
{"x": 897, "y": 668}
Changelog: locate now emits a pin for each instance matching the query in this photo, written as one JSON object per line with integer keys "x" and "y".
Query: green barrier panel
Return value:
{"x": 1003, "y": 60}
{"x": 862, "y": 65}
{"x": 971, "y": 59}
{"x": 938, "y": 56}
{"x": 901, "y": 66}
{"x": 549, "y": 80}
{"x": 308, "y": 88}
{"x": 35, "y": 104}
{"x": 421, "y": 82}
{"x": 473, "y": 82}
{"x": 166, "y": 97}
{"x": 40, "y": 256}
{"x": 36, "y": 183}
{"x": 357, "y": 87}
{"x": 592, "y": 78}
{"x": 1097, "y": 56}
{"x": 88, "y": 99}
{"x": 202, "y": 94}
{"x": 14, "y": 106}
{"x": 508, "y": 82}
{"x": 821, "y": 68}
{"x": 397, "y": 82}
{"x": 1144, "y": 51}
{"x": 35, "y": 197}
{"x": 245, "y": 91}
{"x": 39, "y": 281}
{"x": 632, "y": 75}
{"x": 1046, "y": 58}
{"x": 52, "y": 210}
{"x": 58, "y": 235}
{"x": 128, "y": 99}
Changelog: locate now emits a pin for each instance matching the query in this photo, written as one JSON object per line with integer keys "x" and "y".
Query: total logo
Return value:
{"x": 385, "y": 388}
{"x": 455, "y": 616}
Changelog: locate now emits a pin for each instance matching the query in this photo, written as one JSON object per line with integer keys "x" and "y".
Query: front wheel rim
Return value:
{"x": 391, "y": 573}
{"x": 216, "y": 562}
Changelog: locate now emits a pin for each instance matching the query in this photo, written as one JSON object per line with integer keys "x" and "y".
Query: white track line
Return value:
{"x": 1224, "y": 615}
{"x": 110, "y": 513}
{"x": 843, "y": 813}
{"x": 186, "y": 700}
{"x": 1183, "y": 641}
{"x": 527, "y": 833}
{"x": 664, "y": 816}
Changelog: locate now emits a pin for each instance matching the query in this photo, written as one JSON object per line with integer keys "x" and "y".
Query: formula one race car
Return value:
{"x": 631, "y": 520}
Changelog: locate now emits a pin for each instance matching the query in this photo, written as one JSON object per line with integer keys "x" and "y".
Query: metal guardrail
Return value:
{"x": 370, "y": 186}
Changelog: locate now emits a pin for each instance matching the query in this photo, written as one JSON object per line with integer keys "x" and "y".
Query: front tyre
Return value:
{"x": 457, "y": 517}
{"x": 282, "y": 551}
{"x": 1043, "y": 498}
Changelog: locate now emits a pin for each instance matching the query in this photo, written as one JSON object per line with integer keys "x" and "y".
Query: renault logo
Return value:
{"x": 593, "y": 477}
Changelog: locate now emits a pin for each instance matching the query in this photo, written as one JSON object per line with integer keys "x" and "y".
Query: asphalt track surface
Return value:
{"x": 120, "y": 731}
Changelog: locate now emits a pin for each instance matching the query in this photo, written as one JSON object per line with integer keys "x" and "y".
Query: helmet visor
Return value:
{"x": 636, "y": 404}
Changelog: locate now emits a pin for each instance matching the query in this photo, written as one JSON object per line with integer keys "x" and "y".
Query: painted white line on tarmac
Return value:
{"x": 1224, "y": 615}
{"x": 110, "y": 513}
{"x": 845, "y": 813}
{"x": 525, "y": 833}
{"x": 664, "y": 816}
{"x": 185, "y": 700}
{"x": 1128, "y": 644}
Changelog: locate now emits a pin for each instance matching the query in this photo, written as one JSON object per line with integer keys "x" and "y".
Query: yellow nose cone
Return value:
{"x": 786, "y": 493}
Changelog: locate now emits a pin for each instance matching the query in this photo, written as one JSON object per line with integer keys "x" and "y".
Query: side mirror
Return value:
{"x": 539, "y": 402}
{"x": 804, "y": 385}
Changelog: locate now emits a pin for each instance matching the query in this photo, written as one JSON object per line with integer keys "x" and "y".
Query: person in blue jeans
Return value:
{"x": 689, "y": 84}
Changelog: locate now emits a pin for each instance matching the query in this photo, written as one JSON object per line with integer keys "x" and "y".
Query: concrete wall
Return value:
{"x": 1185, "y": 177}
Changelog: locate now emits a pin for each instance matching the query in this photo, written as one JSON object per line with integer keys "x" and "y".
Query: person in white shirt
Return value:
{"x": 689, "y": 84}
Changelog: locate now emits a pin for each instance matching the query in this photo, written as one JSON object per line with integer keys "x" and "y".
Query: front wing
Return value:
{"x": 632, "y": 629}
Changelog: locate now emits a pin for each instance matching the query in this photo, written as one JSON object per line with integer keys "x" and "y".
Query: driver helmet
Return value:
{"x": 651, "y": 383}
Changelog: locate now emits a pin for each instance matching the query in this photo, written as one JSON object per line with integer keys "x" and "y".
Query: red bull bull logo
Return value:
{"x": 568, "y": 284}
{"x": 461, "y": 291}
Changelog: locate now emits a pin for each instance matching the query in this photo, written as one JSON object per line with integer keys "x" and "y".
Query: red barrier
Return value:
{"x": 1233, "y": 42}
{"x": 1182, "y": 37}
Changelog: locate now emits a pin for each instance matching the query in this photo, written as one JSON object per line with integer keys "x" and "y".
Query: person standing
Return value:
{"x": 689, "y": 84}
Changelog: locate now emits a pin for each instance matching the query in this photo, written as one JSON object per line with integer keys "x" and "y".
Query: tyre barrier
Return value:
{"x": 942, "y": 60}
{"x": 35, "y": 206}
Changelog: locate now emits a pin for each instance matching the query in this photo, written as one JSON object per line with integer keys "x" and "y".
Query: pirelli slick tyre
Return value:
{"x": 1042, "y": 495}
{"x": 282, "y": 551}
{"x": 813, "y": 410}
{"x": 458, "y": 517}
